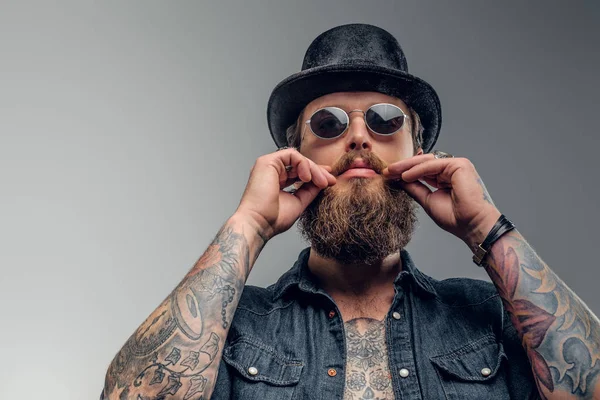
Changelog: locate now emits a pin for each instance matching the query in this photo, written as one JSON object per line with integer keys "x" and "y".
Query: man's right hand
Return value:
{"x": 219, "y": 274}
{"x": 266, "y": 204}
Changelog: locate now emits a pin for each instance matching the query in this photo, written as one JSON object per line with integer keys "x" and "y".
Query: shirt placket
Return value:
{"x": 333, "y": 370}
{"x": 399, "y": 340}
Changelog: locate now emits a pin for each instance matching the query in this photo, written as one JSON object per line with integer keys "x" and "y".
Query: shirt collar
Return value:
{"x": 300, "y": 276}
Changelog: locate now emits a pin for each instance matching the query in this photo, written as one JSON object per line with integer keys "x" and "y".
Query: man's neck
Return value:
{"x": 359, "y": 290}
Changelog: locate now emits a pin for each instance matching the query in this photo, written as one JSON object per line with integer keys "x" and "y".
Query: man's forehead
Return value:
{"x": 354, "y": 100}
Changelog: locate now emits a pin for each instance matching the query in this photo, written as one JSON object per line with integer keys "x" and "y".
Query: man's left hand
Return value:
{"x": 461, "y": 204}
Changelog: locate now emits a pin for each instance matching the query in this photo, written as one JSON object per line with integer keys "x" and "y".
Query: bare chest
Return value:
{"x": 367, "y": 366}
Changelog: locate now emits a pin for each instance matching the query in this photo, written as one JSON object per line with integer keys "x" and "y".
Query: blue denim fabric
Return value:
{"x": 447, "y": 333}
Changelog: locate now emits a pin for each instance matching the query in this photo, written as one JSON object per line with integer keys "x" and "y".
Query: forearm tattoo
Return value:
{"x": 486, "y": 195}
{"x": 560, "y": 334}
{"x": 367, "y": 370}
{"x": 177, "y": 350}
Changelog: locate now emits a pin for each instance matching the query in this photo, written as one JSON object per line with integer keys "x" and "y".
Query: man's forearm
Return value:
{"x": 177, "y": 350}
{"x": 560, "y": 334}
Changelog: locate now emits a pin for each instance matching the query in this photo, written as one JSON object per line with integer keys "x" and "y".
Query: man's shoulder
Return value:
{"x": 469, "y": 302}
{"x": 455, "y": 291}
{"x": 463, "y": 292}
{"x": 258, "y": 300}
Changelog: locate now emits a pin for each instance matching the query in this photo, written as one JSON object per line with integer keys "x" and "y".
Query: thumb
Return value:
{"x": 306, "y": 194}
{"x": 417, "y": 191}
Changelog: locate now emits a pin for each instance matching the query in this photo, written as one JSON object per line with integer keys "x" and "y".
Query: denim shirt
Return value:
{"x": 453, "y": 337}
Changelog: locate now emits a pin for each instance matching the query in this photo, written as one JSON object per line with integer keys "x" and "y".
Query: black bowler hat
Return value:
{"x": 354, "y": 57}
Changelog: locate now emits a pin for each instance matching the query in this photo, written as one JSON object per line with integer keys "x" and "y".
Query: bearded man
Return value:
{"x": 354, "y": 318}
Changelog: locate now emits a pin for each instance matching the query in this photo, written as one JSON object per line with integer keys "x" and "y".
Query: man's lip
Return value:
{"x": 359, "y": 163}
{"x": 361, "y": 172}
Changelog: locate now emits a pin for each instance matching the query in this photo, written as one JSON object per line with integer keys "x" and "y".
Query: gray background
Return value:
{"x": 128, "y": 130}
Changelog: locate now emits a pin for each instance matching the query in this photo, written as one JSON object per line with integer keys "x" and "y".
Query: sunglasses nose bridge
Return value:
{"x": 357, "y": 135}
{"x": 360, "y": 111}
{"x": 364, "y": 115}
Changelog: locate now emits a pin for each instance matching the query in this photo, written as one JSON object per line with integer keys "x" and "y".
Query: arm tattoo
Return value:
{"x": 486, "y": 195}
{"x": 177, "y": 350}
{"x": 367, "y": 370}
{"x": 560, "y": 334}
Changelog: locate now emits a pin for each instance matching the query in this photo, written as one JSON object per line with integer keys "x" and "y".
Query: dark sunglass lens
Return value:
{"x": 328, "y": 122}
{"x": 384, "y": 119}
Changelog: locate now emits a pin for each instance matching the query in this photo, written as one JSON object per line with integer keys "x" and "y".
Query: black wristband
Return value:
{"x": 502, "y": 226}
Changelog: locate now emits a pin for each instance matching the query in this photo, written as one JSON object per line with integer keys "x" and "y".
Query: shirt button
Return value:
{"x": 404, "y": 372}
{"x": 486, "y": 372}
{"x": 331, "y": 372}
{"x": 252, "y": 371}
{"x": 396, "y": 315}
{"x": 331, "y": 314}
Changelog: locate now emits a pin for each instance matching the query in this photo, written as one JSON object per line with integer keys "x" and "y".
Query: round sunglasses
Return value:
{"x": 331, "y": 122}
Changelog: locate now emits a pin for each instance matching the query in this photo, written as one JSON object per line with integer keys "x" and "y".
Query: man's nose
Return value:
{"x": 359, "y": 137}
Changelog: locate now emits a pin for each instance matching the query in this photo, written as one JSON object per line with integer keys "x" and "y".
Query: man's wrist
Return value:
{"x": 257, "y": 231}
{"x": 479, "y": 232}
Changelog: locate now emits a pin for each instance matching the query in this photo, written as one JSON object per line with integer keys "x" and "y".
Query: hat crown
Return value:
{"x": 355, "y": 44}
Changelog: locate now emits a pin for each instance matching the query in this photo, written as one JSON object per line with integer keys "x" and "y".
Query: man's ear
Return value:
{"x": 419, "y": 151}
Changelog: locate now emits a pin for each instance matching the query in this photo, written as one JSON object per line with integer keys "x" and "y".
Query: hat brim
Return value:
{"x": 292, "y": 94}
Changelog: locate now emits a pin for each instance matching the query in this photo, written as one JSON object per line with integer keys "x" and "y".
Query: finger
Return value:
{"x": 298, "y": 163}
{"x": 319, "y": 177}
{"x": 287, "y": 176}
{"x": 437, "y": 167}
{"x": 288, "y": 182}
{"x": 418, "y": 191}
{"x": 306, "y": 194}
{"x": 403, "y": 165}
{"x": 292, "y": 173}
{"x": 331, "y": 180}
{"x": 432, "y": 181}
{"x": 304, "y": 170}
{"x": 283, "y": 183}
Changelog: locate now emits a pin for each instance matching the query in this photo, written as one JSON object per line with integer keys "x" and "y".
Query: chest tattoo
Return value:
{"x": 367, "y": 369}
